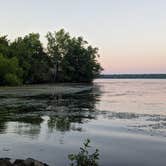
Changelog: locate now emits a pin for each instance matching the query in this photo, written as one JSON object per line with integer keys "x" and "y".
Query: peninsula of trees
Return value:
{"x": 65, "y": 59}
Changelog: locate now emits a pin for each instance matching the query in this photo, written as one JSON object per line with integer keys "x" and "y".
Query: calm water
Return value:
{"x": 125, "y": 120}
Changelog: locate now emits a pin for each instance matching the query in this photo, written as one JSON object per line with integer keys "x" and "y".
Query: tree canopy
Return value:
{"x": 65, "y": 59}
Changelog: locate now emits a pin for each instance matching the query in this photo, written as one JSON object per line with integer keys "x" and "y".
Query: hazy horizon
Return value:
{"x": 130, "y": 34}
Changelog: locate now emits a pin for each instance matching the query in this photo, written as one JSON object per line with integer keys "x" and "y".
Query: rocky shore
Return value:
{"x": 19, "y": 162}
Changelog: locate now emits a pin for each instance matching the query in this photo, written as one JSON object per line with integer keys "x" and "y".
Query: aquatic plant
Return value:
{"x": 83, "y": 158}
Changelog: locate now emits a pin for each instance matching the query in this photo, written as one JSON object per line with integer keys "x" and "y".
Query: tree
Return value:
{"x": 66, "y": 59}
{"x": 32, "y": 58}
{"x": 80, "y": 63}
{"x": 74, "y": 59}
{"x": 4, "y": 46}
{"x": 57, "y": 48}
{"x": 10, "y": 71}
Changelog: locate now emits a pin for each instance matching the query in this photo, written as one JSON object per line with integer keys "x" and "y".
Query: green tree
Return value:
{"x": 74, "y": 60}
{"x": 66, "y": 58}
{"x": 4, "y": 46}
{"x": 10, "y": 71}
{"x": 80, "y": 63}
{"x": 32, "y": 58}
{"x": 57, "y": 47}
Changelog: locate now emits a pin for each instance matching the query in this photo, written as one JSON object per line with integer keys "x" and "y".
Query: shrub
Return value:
{"x": 83, "y": 158}
{"x": 12, "y": 79}
{"x": 10, "y": 71}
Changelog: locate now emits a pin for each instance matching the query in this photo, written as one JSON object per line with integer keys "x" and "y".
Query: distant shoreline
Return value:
{"x": 133, "y": 76}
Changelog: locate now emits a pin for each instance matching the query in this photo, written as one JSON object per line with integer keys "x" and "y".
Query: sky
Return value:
{"x": 130, "y": 34}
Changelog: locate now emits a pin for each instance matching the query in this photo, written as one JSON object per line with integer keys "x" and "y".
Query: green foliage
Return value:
{"x": 66, "y": 59}
{"x": 10, "y": 72}
{"x": 83, "y": 158}
{"x": 12, "y": 79}
{"x": 57, "y": 48}
{"x": 4, "y": 46}
{"x": 75, "y": 60}
{"x": 32, "y": 58}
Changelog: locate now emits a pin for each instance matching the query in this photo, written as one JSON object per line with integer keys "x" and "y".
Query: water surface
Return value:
{"x": 125, "y": 120}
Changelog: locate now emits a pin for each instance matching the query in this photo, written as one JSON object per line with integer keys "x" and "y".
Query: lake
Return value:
{"x": 125, "y": 119}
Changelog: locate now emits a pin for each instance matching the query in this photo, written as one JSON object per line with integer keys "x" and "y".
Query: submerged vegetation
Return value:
{"x": 65, "y": 59}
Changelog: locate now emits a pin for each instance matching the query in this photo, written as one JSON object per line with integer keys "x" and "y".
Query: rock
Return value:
{"x": 19, "y": 162}
{"x": 38, "y": 163}
{"x": 5, "y": 162}
{"x": 29, "y": 162}
{"x": 32, "y": 162}
{"x": 46, "y": 164}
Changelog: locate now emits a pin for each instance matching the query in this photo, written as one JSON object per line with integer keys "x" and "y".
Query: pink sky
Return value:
{"x": 131, "y": 34}
{"x": 135, "y": 64}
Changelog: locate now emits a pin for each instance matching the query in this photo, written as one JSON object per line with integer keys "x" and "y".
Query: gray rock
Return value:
{"x": 5, "y": 162}
{"x": 19, "y": 162}
{"x": 38, "y": 163}
{"x": 29, "y": 162}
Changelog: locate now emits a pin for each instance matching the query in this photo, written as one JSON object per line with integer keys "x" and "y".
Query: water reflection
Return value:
{"x": 62, "y": 123}
{"x": 64, "y": 112}
{"x": 69, "y": 110}
{"x": 2, "y": 126}
{"x": 30, "y": 130}
{"x": 122, "y": 114}
{"x": 67, "y": 113}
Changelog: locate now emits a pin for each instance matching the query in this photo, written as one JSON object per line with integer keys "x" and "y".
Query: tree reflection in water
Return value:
{"x": 71, "y": 110}
{"x": 64, "y": 113}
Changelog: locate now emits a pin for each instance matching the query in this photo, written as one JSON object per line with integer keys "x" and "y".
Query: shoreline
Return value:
{"x": 45, "y": 89}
